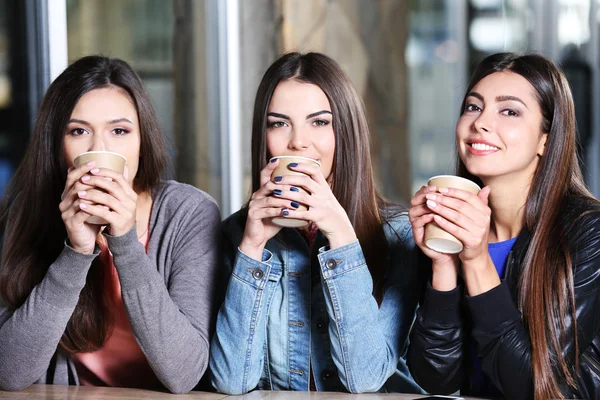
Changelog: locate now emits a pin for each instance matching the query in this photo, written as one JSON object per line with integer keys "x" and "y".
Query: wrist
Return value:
{"x": 480, "y": 276}
{"x": 252, "y": 250}
{"x": 445, "y": 276}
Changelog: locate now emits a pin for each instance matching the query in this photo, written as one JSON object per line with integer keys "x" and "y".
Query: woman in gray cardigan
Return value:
{"x": 129, "y": 303}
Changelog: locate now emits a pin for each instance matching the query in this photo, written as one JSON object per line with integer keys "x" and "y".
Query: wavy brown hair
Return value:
{"x": 33, "y": 231}
{"x": 546, "y": 292}
{"x": 352, "y": 184}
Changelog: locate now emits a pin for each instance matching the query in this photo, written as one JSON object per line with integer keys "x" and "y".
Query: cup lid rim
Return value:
{"x": 101, "y": 152}
{"x": 300, "y": 157}
{"x": 456, "y": 177}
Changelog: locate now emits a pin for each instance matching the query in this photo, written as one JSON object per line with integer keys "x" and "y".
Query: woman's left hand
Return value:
{"x": 466, "y": 216}
{"x": 115, "y": 201}
{"x": 323, "y": 208}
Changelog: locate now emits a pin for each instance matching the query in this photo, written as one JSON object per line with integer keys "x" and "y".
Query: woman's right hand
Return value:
{"x": 82, "y": 236}
{"x": 445, "y": 266}
{"x": 262, "y": 207}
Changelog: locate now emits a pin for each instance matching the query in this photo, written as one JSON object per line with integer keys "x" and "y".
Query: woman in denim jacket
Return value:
{"x": 329, "y": 307}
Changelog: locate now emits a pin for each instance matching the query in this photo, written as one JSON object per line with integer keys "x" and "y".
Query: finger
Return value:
{"x": 455, "y": 204}
{"x": 74, "y": 174}
{"x": 312, "y": 170}
{"x": 98, "y": 211}
{"x": 126, "y": 172}
{"x": 269, "y": 189}
{"x": 116, "y": 177}
{"x": 111, "y": 187}
{"x": 264, "y": 213}
{"x": 267, "y": 171}
{"x": 303, "y": 181}
{"x": 266, "y": 203}
{"x": 297, "y": 214}
{"x": 420, "y": 213}
{"x": 419, "y": 197}
{"x": 484, "y": 194}
{"x": 68, "y": 199}
{"x": 456, "y": 217}
{"x": 101, "y": 198}
{"x": 469, "y": 197}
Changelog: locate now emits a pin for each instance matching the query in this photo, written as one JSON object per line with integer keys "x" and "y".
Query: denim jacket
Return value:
{"x": 295, "y": 312}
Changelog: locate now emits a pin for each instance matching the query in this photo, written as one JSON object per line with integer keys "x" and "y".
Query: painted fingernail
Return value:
{"x": 431, "y": 204}
{"x": 81, "y": 194}
{"x": 293, "y": 164}
{"x": 274, "y": 159}
{"x": 278, "y": 178}
{"x": 82, "y": 206}
{"x": 430, "y": 196}
{"x": 277, "y": 192}
{"x": 285, "y": 212}
{"x": 85, "y": 178}
{"x": 443, "y": 190}
{"x": 295, "y": 204}
{"x": 91, "y": 163}
{"x": 294, "y": 189}
{"x": 94, "y": 170}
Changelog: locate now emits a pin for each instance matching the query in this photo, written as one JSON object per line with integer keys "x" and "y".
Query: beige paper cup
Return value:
{"x": 435, "y": 237}
{"x": 283, "y": 170}
{"x": 103, "y": 159}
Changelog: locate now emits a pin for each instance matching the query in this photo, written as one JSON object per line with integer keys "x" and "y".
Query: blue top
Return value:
{"x": 480, "y": 383}
{"x": 276, "y": 326}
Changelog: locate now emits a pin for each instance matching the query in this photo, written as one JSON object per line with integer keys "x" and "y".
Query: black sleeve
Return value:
{"x": 435, "y": 355}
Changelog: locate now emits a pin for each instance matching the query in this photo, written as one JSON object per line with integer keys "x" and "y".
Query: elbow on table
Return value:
{"x": 12, "y": 385}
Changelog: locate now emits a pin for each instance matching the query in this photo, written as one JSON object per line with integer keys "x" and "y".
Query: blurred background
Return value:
{"x": 202, "y": 60}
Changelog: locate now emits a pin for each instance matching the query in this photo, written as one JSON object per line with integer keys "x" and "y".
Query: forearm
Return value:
{"x": 436, "y": 351}
{"x": 365, "y": 348}
{"x": 237, "y": 357}
{"x": 30, "y": 335}
{"x": 174, "y": 339}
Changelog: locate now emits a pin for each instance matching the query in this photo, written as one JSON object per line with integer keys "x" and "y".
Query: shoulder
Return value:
{"x": 181, "y": 197}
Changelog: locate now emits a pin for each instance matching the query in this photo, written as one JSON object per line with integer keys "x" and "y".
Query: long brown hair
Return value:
{"x": 352, "y": 174}
{"x": 546, "y": 292}
{"x": 33, "y": 230}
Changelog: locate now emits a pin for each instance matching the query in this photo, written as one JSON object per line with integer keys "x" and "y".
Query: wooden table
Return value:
{"x": 56, "y": 392}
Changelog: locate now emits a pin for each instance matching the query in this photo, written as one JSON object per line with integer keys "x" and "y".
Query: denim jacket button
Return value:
{"x": 258, "y": 274}
{"x": 330, "y": 264}
{"x": 326, "y": 374}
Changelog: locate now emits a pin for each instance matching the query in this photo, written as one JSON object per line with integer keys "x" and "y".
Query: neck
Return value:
{"x": 507, "y": 202}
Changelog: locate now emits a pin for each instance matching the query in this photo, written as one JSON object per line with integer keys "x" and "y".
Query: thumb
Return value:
{"x": 484, "y": 194}
{"x": 126, "y": 172}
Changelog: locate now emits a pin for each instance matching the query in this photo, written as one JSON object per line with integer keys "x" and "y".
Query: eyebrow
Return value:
{"x": 113, "y": 121}
{"x": 499, "y": 98}
{"x": 309, "y": 116}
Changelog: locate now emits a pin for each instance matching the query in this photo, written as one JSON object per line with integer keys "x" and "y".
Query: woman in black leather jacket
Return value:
{"x": 516, "y": 313}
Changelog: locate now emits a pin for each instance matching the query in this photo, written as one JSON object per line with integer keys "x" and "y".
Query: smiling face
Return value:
{"x": 299, "y": 123}
{"x": 499, "y": 132}
{"x": 104, "y": 119}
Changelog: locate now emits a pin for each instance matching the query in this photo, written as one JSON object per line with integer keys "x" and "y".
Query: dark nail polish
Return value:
{"x": 278, "y": 178}
{"x": 274, "y": 159}
{"x": 277, "y": 192}
{"x": 295, "y": 204}
{"x": 293, "y": 164}
{"x": 294, "y": 189}
{"x": 285, "y": 213}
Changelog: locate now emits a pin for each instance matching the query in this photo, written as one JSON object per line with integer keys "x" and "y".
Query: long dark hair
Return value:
{"x": 546, "y": 292}
{"x": 34, "y": 233}
{"x": 352, "y": 183}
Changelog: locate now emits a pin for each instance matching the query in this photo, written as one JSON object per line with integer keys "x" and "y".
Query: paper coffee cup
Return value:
{"x": 435, "y": 237}
{"x": 103, "y": 159}
{"x": 283, "y": 170}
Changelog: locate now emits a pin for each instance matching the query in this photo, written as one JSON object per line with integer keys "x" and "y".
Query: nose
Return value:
{"x": 98, "y": 142}
{"x": 300, "y": 139}
{"x": 483, "y": 123}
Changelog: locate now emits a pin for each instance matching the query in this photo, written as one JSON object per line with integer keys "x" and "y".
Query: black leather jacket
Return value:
{"x": 438, "y": 356}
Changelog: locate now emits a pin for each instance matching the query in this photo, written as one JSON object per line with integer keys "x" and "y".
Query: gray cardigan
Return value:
{"x": 170, "y": 295}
